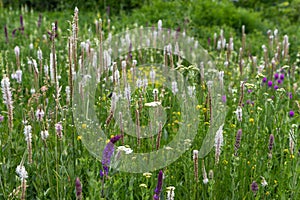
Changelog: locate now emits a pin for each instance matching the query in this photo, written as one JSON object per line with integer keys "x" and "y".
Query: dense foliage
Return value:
{"x": 260, "y": 154}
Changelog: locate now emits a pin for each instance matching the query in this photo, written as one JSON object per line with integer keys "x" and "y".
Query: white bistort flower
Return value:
{"x": 21, "y": 171}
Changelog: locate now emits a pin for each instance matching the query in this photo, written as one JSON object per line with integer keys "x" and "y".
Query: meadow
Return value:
{"x": 81, "y": 90}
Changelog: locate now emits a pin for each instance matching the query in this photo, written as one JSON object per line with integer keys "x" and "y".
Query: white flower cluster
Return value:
{"x": 27, "y": 133}
{"x": 125, "y": 149}
{"x": 21, "y": 171}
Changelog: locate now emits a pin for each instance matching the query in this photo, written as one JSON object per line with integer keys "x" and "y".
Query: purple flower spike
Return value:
{"x": 276, "y": 76}
{"x": 108, "y": 152}
{"x": 291, "y": 113}
{"x": 279, "y": 81}
{"x": 1, "y": 118}
{"x": 270, "y": 83}
{"x": 276, "y": 87}
{"x": 249, "y": 91}
{"x": 290, "y": 95}
{"x": 281, "y": 76}
{"x": 254, "y": 187}
{"x": 78, "y": 188}
{"x": 237, "y": 141}
{"x": 224, "y": 99}
{"x": 271, "y": 142}
{"x": 264, "y": 80}
{"x": 157, "y": 190}
{"x": 6, "y": 34}
{"x": 115, "y": 139}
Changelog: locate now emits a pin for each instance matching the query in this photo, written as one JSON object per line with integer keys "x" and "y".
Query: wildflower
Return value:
{"x": 1, "y": 118}
{"x": 270, "y": 83}
{"x": 237, "y": 141}
{"x": 153, "y": 104}
{"x": 159, "y": 25}
{"x": 44, "y": 134}
{"x": 78, "y": 188}
{"x": 143, "y": 185}
{"x": 17, "y": 51}
{"x": 107, "y": 153}
{"x": 276, "y": 76}
{"x": 152, "y": 75}
{"x": 68, "y": 91}
{"x": 291, "y": 113}
{"x": 271, "y": 144}
{"x": 275, "y": 87}
{"x": 218, "y": 143}
{"x": 264, "y": 80}
{"x": 17, "y": 76}
{"x": 263, "y": 182}
{"x": 39, "y": 114}
{"x": 158, "y": 188}
{"x": 147, "y": 174}
{"x": 204, "y": 174}
{"x": 40, "y": 54}
{"x": 174, "y": 87}
{"x": 239, "y": 113}
{"x": 251, "y": 120}
{"x": 127, "y": 150}
{"x": 254, "y": 187}
{"x": 7, "y": 99}
{"x": 170, "y": 193}
{"x": 58, "y": 128}
{"x": 195, "y": 158}
{"x": 281, "y": 77}
{"x": 279, "y": 81}
{"x": 21, "y": 171}
{"x": 224, "y": 98}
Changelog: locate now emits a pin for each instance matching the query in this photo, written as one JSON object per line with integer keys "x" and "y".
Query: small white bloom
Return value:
{"x": 153, "y": 104}
{"x": 205, "y": 181}
{"x": 32, "y": 90}
{"x": 30, "y": 46}
{"x": 39, "y": 114}
{"x": 44, "y": 134}
{"x": 17, "y": 51}
{"x": 27, "y": 133}
{"x": 239, "y": 113}
{"x": 21, "y": 171}
{"x": 263, "y": 182}
{"x": 174, "y": 87}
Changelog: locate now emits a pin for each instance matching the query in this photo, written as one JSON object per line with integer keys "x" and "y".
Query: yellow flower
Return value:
{"x": 225, "y": 162}
{"x": 198, "y": 107}
{"x": 275, "y": 182}
{"x": 206, "y": 123}
{"x": 203, "y": 86}
{"x": 112, "y": 136}
{"x": 178, "y": 113}
{"x": 79, "y": 137}
{"x": 176, "y": 121}
{"x": 285, "y": 151}
{"x": 83, "y": 126}
{"x": 251, "y": 120}
{"x": 232, "y": 125}
{"x": 267, "y": 193}
{"x": 107, "y": 141}
{"x": 248, "y": 162}
{"x": 253, "y": 167}
{"x": 204, "y": 109}
{"x": 292, "y": 156}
